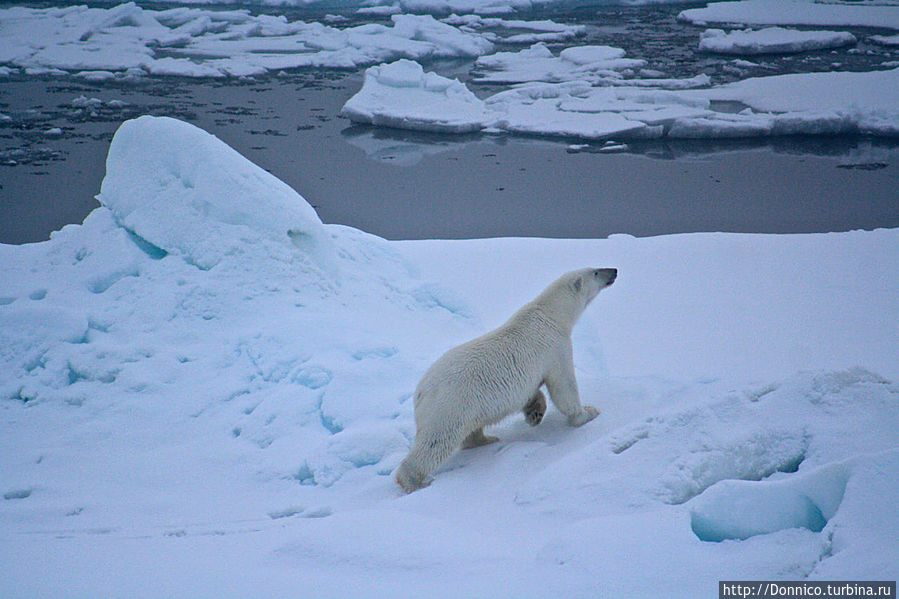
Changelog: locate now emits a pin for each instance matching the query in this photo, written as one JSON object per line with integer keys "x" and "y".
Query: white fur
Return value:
{"x": 486, "y": 379}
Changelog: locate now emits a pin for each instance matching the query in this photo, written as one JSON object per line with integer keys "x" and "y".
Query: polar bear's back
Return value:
{"x": 484, "y": 380}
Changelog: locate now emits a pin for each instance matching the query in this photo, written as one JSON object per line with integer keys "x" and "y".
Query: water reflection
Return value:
{"x": 408, "y": 148}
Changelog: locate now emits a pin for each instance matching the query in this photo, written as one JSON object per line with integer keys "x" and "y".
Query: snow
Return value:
{"x": 796, "y": 12}
{"x": 194, "y": 42}
{"x": 205, "y": 381}
{"x": 772, "y": 40}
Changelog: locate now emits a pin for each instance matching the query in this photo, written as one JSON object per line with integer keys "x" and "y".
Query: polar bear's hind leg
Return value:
{"x": 478, "y": 438}
{"x": 428, "y": 452}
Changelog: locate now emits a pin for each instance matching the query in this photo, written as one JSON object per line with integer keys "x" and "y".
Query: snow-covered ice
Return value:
{"x": 204, "y": 390}
{"x": 130, "y": 41}
{"x": 885, "y": 40}
{"x": 402, "y": 95}
{"x": 772, "y": 40}
{"x": 537, "y": 63}
{"x": 796, "y": 12}
{"x": 184, "y": 192}
{"x": 866, "y": 102}
{"x": 806, "y": 103}
{"x": 530, "y": 31}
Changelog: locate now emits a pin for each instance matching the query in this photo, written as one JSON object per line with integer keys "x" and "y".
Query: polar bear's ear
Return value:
{"x": 578, "y": 285}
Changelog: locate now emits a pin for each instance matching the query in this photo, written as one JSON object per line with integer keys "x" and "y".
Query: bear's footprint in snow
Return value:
{"x": 748, "y": 458}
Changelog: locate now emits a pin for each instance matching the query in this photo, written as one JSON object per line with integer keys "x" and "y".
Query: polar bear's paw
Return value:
{"x": 478, "y": 438}
{"x": 586, "y": 414}
{"x": 535, "y": 409}
{"x": 411, "y": 480}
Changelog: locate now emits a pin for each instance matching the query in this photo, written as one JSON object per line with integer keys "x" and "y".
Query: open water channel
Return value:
{"x": 403, "y": 185}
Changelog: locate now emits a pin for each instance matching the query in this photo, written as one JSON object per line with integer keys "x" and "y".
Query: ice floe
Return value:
{"x": 446, "y": 7}
{"x": 866, "y": 102}
{"x": 796, "y": 12}
{"x": 529, "y": 32}
{"x": 537, "y": 63}
{"x": 403, "y": 96}
{"x": 810, "y": 103}
{"x": 772, "y": 40}
{"x": 885, "y": 40}
{"x": 130, "y": 40}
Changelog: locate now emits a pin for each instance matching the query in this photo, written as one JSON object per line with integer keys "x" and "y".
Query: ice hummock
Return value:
{"x": 185, "y": 192}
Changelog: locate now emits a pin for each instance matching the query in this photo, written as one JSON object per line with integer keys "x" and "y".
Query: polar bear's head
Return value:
{"x": 588, "y": 282}
{"x": 565, "y": 299}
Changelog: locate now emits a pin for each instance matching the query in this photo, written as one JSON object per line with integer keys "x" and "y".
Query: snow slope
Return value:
{"x": 204, "y": 390}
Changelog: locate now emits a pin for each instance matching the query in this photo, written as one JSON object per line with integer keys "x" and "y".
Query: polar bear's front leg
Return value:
{"x": 562, "y": 387}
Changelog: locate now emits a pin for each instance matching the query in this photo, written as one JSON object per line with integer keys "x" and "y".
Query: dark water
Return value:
{"x": 403, "y": 185}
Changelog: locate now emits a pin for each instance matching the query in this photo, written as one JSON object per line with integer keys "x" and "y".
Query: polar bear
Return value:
{"x": 486, "y": 379}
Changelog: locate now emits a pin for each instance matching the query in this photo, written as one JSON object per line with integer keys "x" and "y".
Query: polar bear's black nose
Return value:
{"x": 610, "y": 274}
